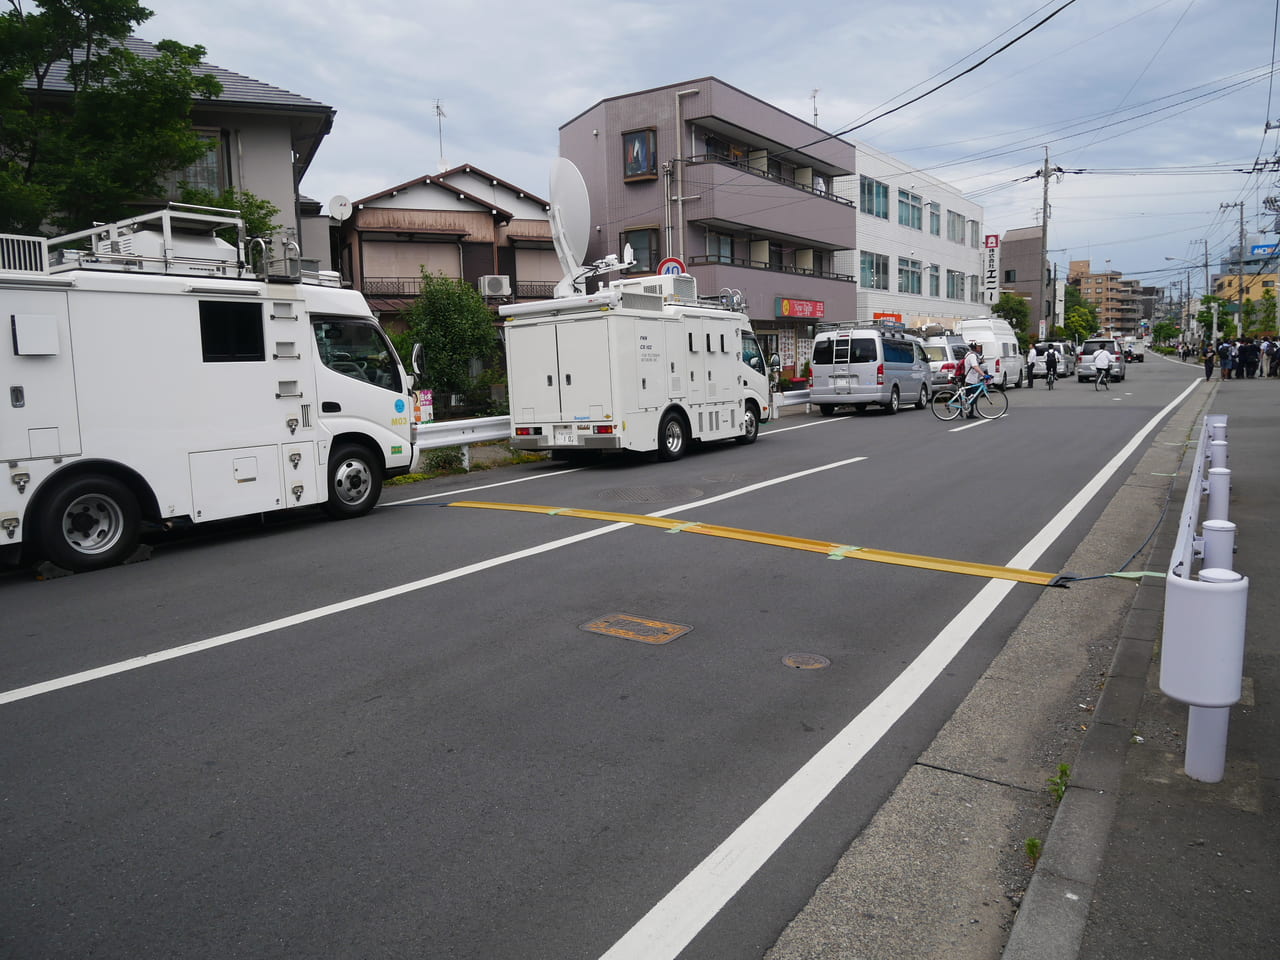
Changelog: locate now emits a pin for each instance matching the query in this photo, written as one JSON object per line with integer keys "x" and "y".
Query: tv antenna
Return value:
{"x": 440, "y": 114}
{"x": 814, "y": 97}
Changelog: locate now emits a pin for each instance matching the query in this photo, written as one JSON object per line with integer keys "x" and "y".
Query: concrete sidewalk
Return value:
{"x": 1138, "y": 860}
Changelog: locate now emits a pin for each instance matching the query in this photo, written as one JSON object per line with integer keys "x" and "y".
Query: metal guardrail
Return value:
{"x": 463, "y": 433}
{"x": 1202, "y": 647}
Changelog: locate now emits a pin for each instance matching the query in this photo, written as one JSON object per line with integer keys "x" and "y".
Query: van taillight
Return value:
{"x": 880, "y": 374}
{"x": 528, "y": 431}
{"x": 602, "y": 428}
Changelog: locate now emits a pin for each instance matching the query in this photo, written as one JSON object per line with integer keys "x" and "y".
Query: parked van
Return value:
{"x": 1084, "y": 358}
{"x": 855, "y": 365}
{"x": 1066, "y": 358}
{"x": 1000, "y": 351}
{"x": 946, "y": 357}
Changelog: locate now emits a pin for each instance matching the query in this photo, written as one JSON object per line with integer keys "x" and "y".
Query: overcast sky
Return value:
{"x": 1138, "y": 88}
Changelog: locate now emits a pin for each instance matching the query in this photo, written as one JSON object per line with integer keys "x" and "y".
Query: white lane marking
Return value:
{"x": 969, "y": 426}
{"x": 679, "y": 916}
{"x": 306, "y": 616}
{"x": 486, "y": 486}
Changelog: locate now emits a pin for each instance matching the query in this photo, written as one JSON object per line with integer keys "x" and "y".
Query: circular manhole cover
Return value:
{"x": 806, "y": 661}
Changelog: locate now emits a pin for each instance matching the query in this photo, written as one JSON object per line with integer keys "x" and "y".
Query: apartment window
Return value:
{"x": 975, "y": 294}
{"x": 875, "y": 271}
{"x": 973, "y": 234}
{"x": 640, "y": 154}
{"x": 909, "y": 274}
{"x": 910, "y": 210}
{"x": 955, "y": 226}
{"x": 934, "y": 280}
{"x": 1011, "y": 276}
{"x": 955, "y": 285}
{"x": 719, "y": 248}
{"x": 935, "y": 219}
{"x": 644, "y": 247}
{"x": 874, "y": 197}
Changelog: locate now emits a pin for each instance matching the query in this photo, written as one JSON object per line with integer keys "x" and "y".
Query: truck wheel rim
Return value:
{"x": 92, "y": 524}
{"x": 352, "y": 481}
{"x": 674, "y": 437}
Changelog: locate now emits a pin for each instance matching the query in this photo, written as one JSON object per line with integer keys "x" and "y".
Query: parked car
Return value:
{"x": 1066, "y": 358}
{"x": 946, "y": 358}
{"x": 856, "y": 365}
{"x": 1084, "y": 358}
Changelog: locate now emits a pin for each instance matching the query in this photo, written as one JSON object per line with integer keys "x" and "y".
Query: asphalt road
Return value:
{"x": 392, "y": 737}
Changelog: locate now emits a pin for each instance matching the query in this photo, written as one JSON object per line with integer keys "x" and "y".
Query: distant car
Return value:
{"x": 1134, "y": 352}
{"x": 946, "y": 358}
{"x": 1066, "y": 358}
{"x": 1084, "y": 358}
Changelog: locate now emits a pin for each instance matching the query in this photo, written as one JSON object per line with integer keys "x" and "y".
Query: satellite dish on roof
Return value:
{"x": 339, "y": 207}
{"x": 570, "y": 217}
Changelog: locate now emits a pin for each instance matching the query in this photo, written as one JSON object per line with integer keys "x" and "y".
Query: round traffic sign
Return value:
{"x": 671, "y": 265}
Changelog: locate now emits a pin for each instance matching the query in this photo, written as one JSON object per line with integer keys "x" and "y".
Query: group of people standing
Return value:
{"x": 1241, "y": 359}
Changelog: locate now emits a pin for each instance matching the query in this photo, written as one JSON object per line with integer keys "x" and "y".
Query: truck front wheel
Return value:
{"x": 750, "y": 425}
{"x": 355, "y": 482}
{"x": 89, "y": 523}
{"x": 672, "y": 437}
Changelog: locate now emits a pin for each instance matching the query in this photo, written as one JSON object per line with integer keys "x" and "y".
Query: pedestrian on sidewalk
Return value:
{"x": 1206, "y": 357}
{"x": 1226, "y": 356}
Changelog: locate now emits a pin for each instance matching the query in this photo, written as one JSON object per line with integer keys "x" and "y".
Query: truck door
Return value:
{"x": 535, "y": 379}
{"x": 38, "y": 416}
{"x": 586, "y": 374}
{"x": 651, "y": 376}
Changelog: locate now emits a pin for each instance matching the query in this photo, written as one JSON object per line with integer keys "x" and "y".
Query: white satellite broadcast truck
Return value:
{"x": 153, "y": 376}
{"x": 642, "y": 364}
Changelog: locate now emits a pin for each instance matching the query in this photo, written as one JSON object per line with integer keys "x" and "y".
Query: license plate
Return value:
{"x": 566, "y": 435}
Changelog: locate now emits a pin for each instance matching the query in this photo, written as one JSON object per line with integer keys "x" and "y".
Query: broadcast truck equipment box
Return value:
{"x": 641, "y": 365}
{"x": 153, "y": 376}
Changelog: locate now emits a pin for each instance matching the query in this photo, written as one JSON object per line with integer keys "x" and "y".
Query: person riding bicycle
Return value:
{"x": 973, "y": 373}
{"x": 1051, "y": 362}
{"x": 1102, "y": 363}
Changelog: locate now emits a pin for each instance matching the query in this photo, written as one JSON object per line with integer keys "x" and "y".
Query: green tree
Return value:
{"x": 1163, "y": 332}
{"x": 1080, "y": 324}
{"x": 258, "y": 214}
{"x": 455, "y": 326}
{"x": 1016, "y": 310}
{"x": 68, "y": 159}
{"x": 1267, "y": 310}
{"x": 1074, "y": 298}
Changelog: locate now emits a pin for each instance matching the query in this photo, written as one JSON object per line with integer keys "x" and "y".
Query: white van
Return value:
{"x": 1000, "y": 352}
{"x": 855, "y": 364}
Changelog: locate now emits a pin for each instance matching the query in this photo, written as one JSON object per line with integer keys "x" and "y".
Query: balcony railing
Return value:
{"x": 766, "y": 265}
{"x": 745, "y": 167}
{"x": 407, "y": 287}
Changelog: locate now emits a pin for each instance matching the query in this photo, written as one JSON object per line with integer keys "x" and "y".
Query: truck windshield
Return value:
{"x": 358, "y": 349}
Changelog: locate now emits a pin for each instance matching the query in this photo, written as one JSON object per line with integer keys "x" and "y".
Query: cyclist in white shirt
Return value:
{"x": 1102, "y": 362}
{"x": 973, "y": 372}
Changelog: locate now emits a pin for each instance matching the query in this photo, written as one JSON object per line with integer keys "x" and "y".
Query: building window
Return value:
{"x": 973, "y": 234}
{"x": 719, "y": 248}
{"x": 975, "y": 293}
{"x": 955, "y": 226}
{"x": 875, "y": 198}
{"x": 935, "y": 219}
{"x": 644, "y": 247}
{"x": 909, "y": 274}
{"x": 955, "y": 285}
{"x": 875, "y": 271}
{"x": 640, "y": 154}
{"x": 910, "y": 210}
{"x": 207, "y": 173}
{"x": 1011, "y": 276}
{"x": 933, "y": 280}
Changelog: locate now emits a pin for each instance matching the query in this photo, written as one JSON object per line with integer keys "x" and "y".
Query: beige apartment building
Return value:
{"x": 1118, "y": 301}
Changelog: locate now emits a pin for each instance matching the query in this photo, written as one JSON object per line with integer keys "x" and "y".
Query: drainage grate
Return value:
{"x": 636, "y": 628}
{"x": 650, "y": 494}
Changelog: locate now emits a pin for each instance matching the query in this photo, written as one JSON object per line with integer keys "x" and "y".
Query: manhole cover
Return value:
{"x": 636, "y": 628}
{"x": 650, "y": 494}
{"x": 806, "y": 661}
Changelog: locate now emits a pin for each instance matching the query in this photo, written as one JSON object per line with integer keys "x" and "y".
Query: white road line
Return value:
{"x": 679, "y": 916}
{"x": 306, "y": 616}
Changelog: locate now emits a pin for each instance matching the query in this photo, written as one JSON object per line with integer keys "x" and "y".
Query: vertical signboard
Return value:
{"x": 991, "y": 268}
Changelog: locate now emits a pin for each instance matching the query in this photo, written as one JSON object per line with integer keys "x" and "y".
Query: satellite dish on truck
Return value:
{"x": 571, "y": 229}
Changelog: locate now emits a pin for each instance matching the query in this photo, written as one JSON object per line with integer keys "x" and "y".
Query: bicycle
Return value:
{"x": 1103, "y": 379}
{"x": 949, "y": 404}
{"x": 1050, "y": 375}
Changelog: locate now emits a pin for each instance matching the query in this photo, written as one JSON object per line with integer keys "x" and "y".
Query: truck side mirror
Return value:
{"x": 775, "y": 361}
{"x": 418, "y": 356}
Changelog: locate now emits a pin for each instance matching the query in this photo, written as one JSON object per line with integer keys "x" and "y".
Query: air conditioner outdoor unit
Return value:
{"x": 495, "y": 286}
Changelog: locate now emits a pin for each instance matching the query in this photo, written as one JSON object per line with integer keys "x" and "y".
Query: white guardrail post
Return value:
{"x": 1202, "y": 653}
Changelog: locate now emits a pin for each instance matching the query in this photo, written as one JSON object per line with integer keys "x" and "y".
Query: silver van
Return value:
{"x": 1084, "y": 358}
{"x": 856, "y": 365}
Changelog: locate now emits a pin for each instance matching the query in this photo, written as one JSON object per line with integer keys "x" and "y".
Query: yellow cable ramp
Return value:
{"x": 834, "y": 551}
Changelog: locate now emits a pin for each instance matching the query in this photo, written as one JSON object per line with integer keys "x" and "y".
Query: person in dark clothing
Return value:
{"x": 1206, "y": 357}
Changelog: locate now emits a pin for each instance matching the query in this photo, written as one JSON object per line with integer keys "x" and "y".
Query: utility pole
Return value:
{"x": 1239, "y": 267}
{"x": 1044, "y": 309}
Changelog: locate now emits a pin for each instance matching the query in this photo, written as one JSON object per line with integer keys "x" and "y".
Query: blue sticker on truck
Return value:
{"x": 399, "y": 406}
